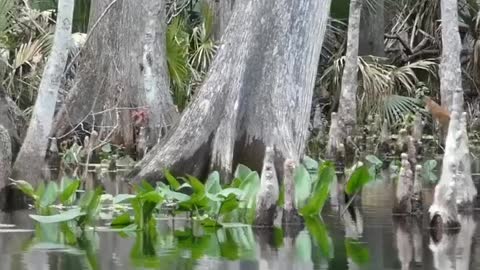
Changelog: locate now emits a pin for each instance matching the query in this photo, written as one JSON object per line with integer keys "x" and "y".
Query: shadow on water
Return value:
{"x": 368, "y": 237}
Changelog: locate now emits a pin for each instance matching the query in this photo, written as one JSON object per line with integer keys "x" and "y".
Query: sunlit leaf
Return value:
{"x": 357, "y": 252}
{"x": 321, "y": 190}
{"x": 359, "y": 178}
{"x": 303, "y": 186}
{"x": 50, "y": 195}
{"x": 212, "y": 185}
{"x": 69, "y": 191}
{"x": 172, "y": 181}
{"x": 121, "y": 221}
{"x": 242, "y": 172}
{"x": 64, "y": 216}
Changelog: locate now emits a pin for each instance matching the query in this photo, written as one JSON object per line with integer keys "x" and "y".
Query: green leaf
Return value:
{"x": 303, "y": 247}
{"x": 121, "y": 221}
{"x": 303, "y": 186}
{"x": 208, "y": 222}
{"x": 69, "y": 191}
{"x": 357, "y": 251}
{"x": 172, "y": 181}
{"x": 65, "y": 216}
{"x": 122, "y": 197}
{"x": 25, "y": 187}
{"x": 50, "y": 195}
{"x": 228, "y": 191}
{"x": 229, "y": 204}
{"x": 321, "y": 190}
{"x": 310, "y": 164}
{"x": 242, "y": 172}
{"x": 374, "y": 160}
{"x": 319, "y": 233}
{"x": 359, "y": 178}
{"x": 213, "y": 183}
{"x": 197, "y": 186}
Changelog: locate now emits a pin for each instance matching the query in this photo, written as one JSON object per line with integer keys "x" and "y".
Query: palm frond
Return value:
{"x": 396, "y": 107}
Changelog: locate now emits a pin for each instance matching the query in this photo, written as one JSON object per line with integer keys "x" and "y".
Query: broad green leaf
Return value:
{"x": 242, "y": 172}
{"x": 64, "y": 216}
{"x": 228, "y": 191}
{"x": 172, "y": 181}
{"x": 319, "y": 233}
{"x": 310, "y": 164}
{"x": 173, "y": 195}
{"x": 144, "y": 187}
{"x": 209, "y": 222}
{"x": 321, "y": 190}
{"x": 25, "y": 187}
{"x": 303, "y": 247}
{"x": 197, "y": 186}
{"x": 359, "y": 178}
{"x": 122, "y": 197}
{"x": 121, "y": 221}
{"x": 303, "y": 186}
{"x": 357, "y": 251}
{"x": 229, "y": 204}
{"x": 50, "y": 195}
{"x": 374, "y": 160}
{"x": 69, "y": 191}
{"x": 152, "y": 196}
{"x": 213, "y": 183}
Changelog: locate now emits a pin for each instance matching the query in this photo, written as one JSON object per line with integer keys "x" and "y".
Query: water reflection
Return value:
{"x": 364, "y": 237}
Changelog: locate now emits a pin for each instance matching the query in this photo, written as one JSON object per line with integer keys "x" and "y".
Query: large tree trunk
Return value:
{"x": 456, "y": 187}
{"x": 30, "y": 160}
{"x": 372, "y": 29}
{"x": 450, "y": 67}
{"x": 347, "y": 110}
{"x": 258, "y": 93}
{"x": 122, "y": 74}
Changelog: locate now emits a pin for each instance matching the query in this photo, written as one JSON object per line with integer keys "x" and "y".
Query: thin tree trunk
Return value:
{"x": 258, "y": 93}
{"x": 128, "y": 49}
{"x": 450, "y": 67}
{"x": 223, "y": 12}
{"x": 347, "y": 111}
{"x": 30, "y": 160}
{"x": 372, "y": 29}
{"x": 5, "y": 163}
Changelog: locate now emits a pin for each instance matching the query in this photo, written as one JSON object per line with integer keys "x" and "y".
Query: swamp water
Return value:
{"x": 385, "y": 242}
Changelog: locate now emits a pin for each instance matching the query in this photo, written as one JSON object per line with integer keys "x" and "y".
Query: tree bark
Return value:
{"x": 30, "y": 160}
{"x": 223, "y": 11}
{"x": 455, "y": 187}
{"x": 372, "y": 29}
{"x": 450, "y": 67}
{"x": 5, "y": 162}
{"x": 13, "y": 120}
{"x": 258, "y": 93}
{"x": 347, "y": 110}
{"x": 128, "y": 49}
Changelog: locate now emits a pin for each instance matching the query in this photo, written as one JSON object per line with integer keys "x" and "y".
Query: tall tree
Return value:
{"x": 456, "y": 188}
{"x": 345, "y": 121}
{"x": 29, "y": 162}
{"x": 450, "y": 66}
{"x": 123, "y": 72}
{"x": 258, "y": 93}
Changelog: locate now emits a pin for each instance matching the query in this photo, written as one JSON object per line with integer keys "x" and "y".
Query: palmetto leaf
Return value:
{"x": 396, "y": 107}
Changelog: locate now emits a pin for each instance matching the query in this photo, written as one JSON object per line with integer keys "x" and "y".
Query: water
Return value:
{"x": 376, "y": 241}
